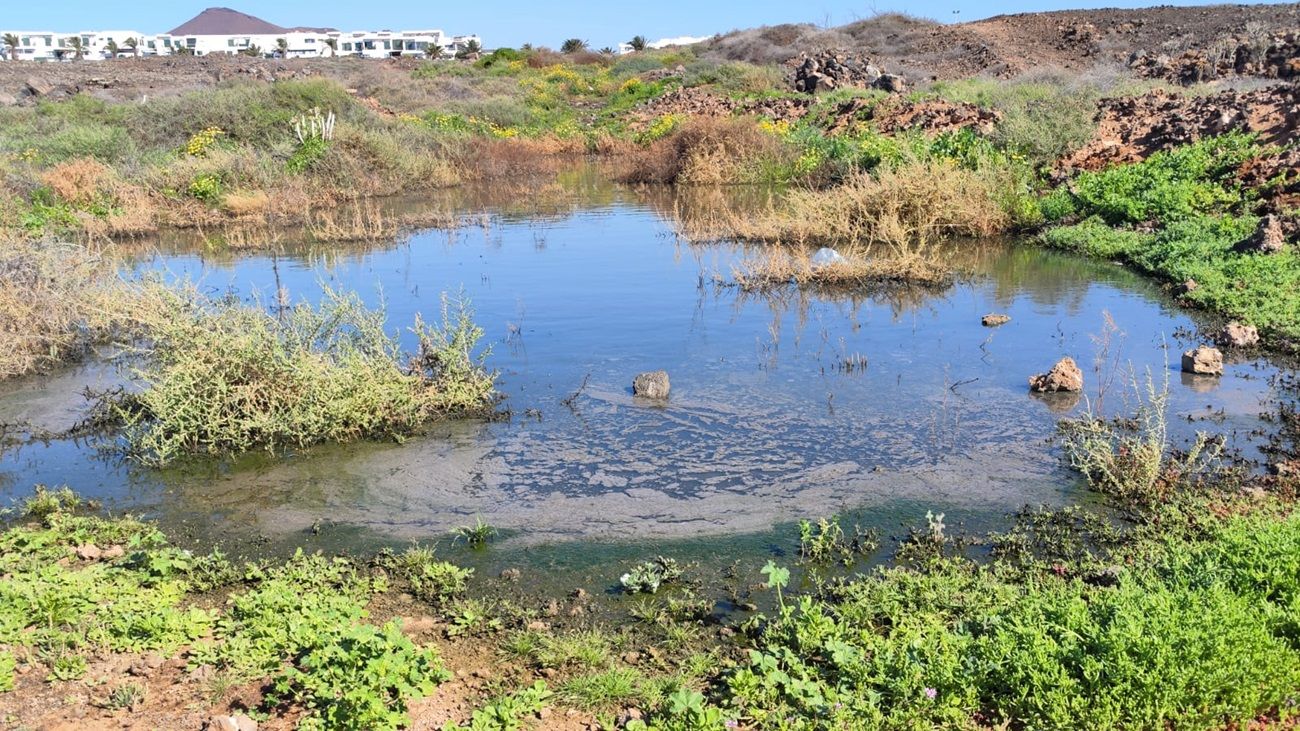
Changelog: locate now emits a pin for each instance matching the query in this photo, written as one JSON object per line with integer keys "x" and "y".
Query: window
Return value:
{"x": 27, "y": 40}
{"x": 388, "y": 45}
{"x": 191, "y": 42}
{"x": 311, "y": 41}
{"x": 347, "y": 46}
{"x": 370, "y": 45}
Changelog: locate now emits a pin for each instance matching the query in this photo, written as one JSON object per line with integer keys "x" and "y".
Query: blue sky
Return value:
{"x": 509, "y": 22}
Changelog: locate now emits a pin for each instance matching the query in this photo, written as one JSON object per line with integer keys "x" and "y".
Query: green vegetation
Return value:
{"x": 1179, "y": 216}
{"x": 77, "y": 585}
{"x": 221, "y": 377}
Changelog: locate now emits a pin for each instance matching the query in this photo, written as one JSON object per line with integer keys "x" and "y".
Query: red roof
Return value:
{"x": 224, "y": 21}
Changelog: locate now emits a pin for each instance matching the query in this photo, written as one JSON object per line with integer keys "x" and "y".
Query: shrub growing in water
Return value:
{"x": 222, "y": 377}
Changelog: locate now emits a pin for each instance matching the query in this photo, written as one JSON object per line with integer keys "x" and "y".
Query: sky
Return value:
{"x": 512, "y": 22}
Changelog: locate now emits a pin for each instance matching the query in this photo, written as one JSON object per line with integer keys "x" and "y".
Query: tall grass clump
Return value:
{"x": 222, "y": 377}
{"x": 914, "y": 203}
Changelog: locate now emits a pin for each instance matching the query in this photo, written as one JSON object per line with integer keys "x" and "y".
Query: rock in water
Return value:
{"x": 994, "y": 319}
{"x": 1204, "y": 361}
{"x": 1237, "y": 335}
{"x": 1064, "y": 376}
{"x": 651, "y": 385}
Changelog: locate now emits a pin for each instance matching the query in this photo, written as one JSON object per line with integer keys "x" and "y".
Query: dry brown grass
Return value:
{"x": 903, "y": 207}
{"x": 861, "y": 266}
{"x": 243, "y": 204}
{"x": 704, "y": 151}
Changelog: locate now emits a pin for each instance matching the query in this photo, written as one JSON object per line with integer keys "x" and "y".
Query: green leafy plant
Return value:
{"x": 648, "y": 577}
{"x": 476, "y": 535}
{"x": 362, "y": 677}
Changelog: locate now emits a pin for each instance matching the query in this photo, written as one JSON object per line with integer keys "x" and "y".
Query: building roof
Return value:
{"x": 224, "y": 21}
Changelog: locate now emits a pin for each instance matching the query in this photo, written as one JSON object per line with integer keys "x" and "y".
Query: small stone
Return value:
{"x": 112, "y": 552}
{"x": 1237, "y": 335}
{"x": 511, "y": 574}
{"x": 994, "y": 319}
{"x": 651, "y": 385}
{"x": 578, "y": 594}
{"x": 544, "y": 713}
{"x": 632, "y": 658}
{"x": 537, "y": 626}
{"x": 1190, "y": 286}
{"x": 553, "y": 609}
{"x": 89, "y": 552}
{"x": 1204, "y": 361}
{"x": 237, "y": 722}
{"x": 1064, "y": 376}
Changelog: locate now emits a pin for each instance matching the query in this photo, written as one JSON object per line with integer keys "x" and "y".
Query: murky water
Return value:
{"x": 583, "y": 287}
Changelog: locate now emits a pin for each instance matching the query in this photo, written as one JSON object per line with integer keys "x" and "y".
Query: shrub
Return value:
{"x": 222, "y": 378}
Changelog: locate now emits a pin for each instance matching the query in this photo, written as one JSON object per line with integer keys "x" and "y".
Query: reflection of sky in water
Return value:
{"x": 762, "y": 426}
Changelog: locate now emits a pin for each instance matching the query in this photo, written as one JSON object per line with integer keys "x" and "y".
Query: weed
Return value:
{"x": 825, "y": 542}
{"x": 476, "y": 535}
{"x": 647, "y": 577}
{"x": 430, "y": 579}
{"x": 1131, "y": 460}
{"x": 127, "y": 696}
{"x": 507, "y": 713}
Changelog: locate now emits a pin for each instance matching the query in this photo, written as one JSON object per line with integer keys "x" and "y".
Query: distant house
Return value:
{"x": 224, "y": 31}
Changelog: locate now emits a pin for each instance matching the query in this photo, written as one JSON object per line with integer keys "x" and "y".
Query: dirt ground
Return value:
{"x": 1007, "y": 45}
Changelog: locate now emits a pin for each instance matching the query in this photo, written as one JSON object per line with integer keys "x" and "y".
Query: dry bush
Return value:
{"x": 55, "y": 300}
{"x": 83, "y": 181}
{"x": 704, "y": 150}
{"x": 912, "y": 204}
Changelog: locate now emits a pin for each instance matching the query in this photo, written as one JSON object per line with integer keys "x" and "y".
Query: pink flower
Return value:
{"x": 931, "y": 693}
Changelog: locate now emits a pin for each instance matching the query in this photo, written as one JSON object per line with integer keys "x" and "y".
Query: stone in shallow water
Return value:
{"x": 1205, "y": 361}
{"x": 1237, "y": 335}
{"x": 651, "y": 385}
{"x": 994, "y": 319}
{"x": 1064, "y": 376}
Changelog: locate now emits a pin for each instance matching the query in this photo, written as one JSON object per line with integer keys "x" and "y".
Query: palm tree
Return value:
{"x": 573, "y": 45}
{"x": 333, "y": 45}
{"x": 282, "y": 47}
{"x": 433, "y": 50}
{"x": 11, "y": 42}
{"x": 638, "y": 43}
{"x": 473, "y": 46}
{"x": 78, "y": 48}
{"x": 112, "y": 48}
{"x": 253, "y": 50}
{"x": 607, "y": 51}
{"x": 134, "y": 45}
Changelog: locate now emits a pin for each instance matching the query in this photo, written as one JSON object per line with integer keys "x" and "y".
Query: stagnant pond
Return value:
{"x": 582, "y": 286}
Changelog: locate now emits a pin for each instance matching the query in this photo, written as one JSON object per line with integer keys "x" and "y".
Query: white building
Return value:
{"x": 225, "y": 31}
